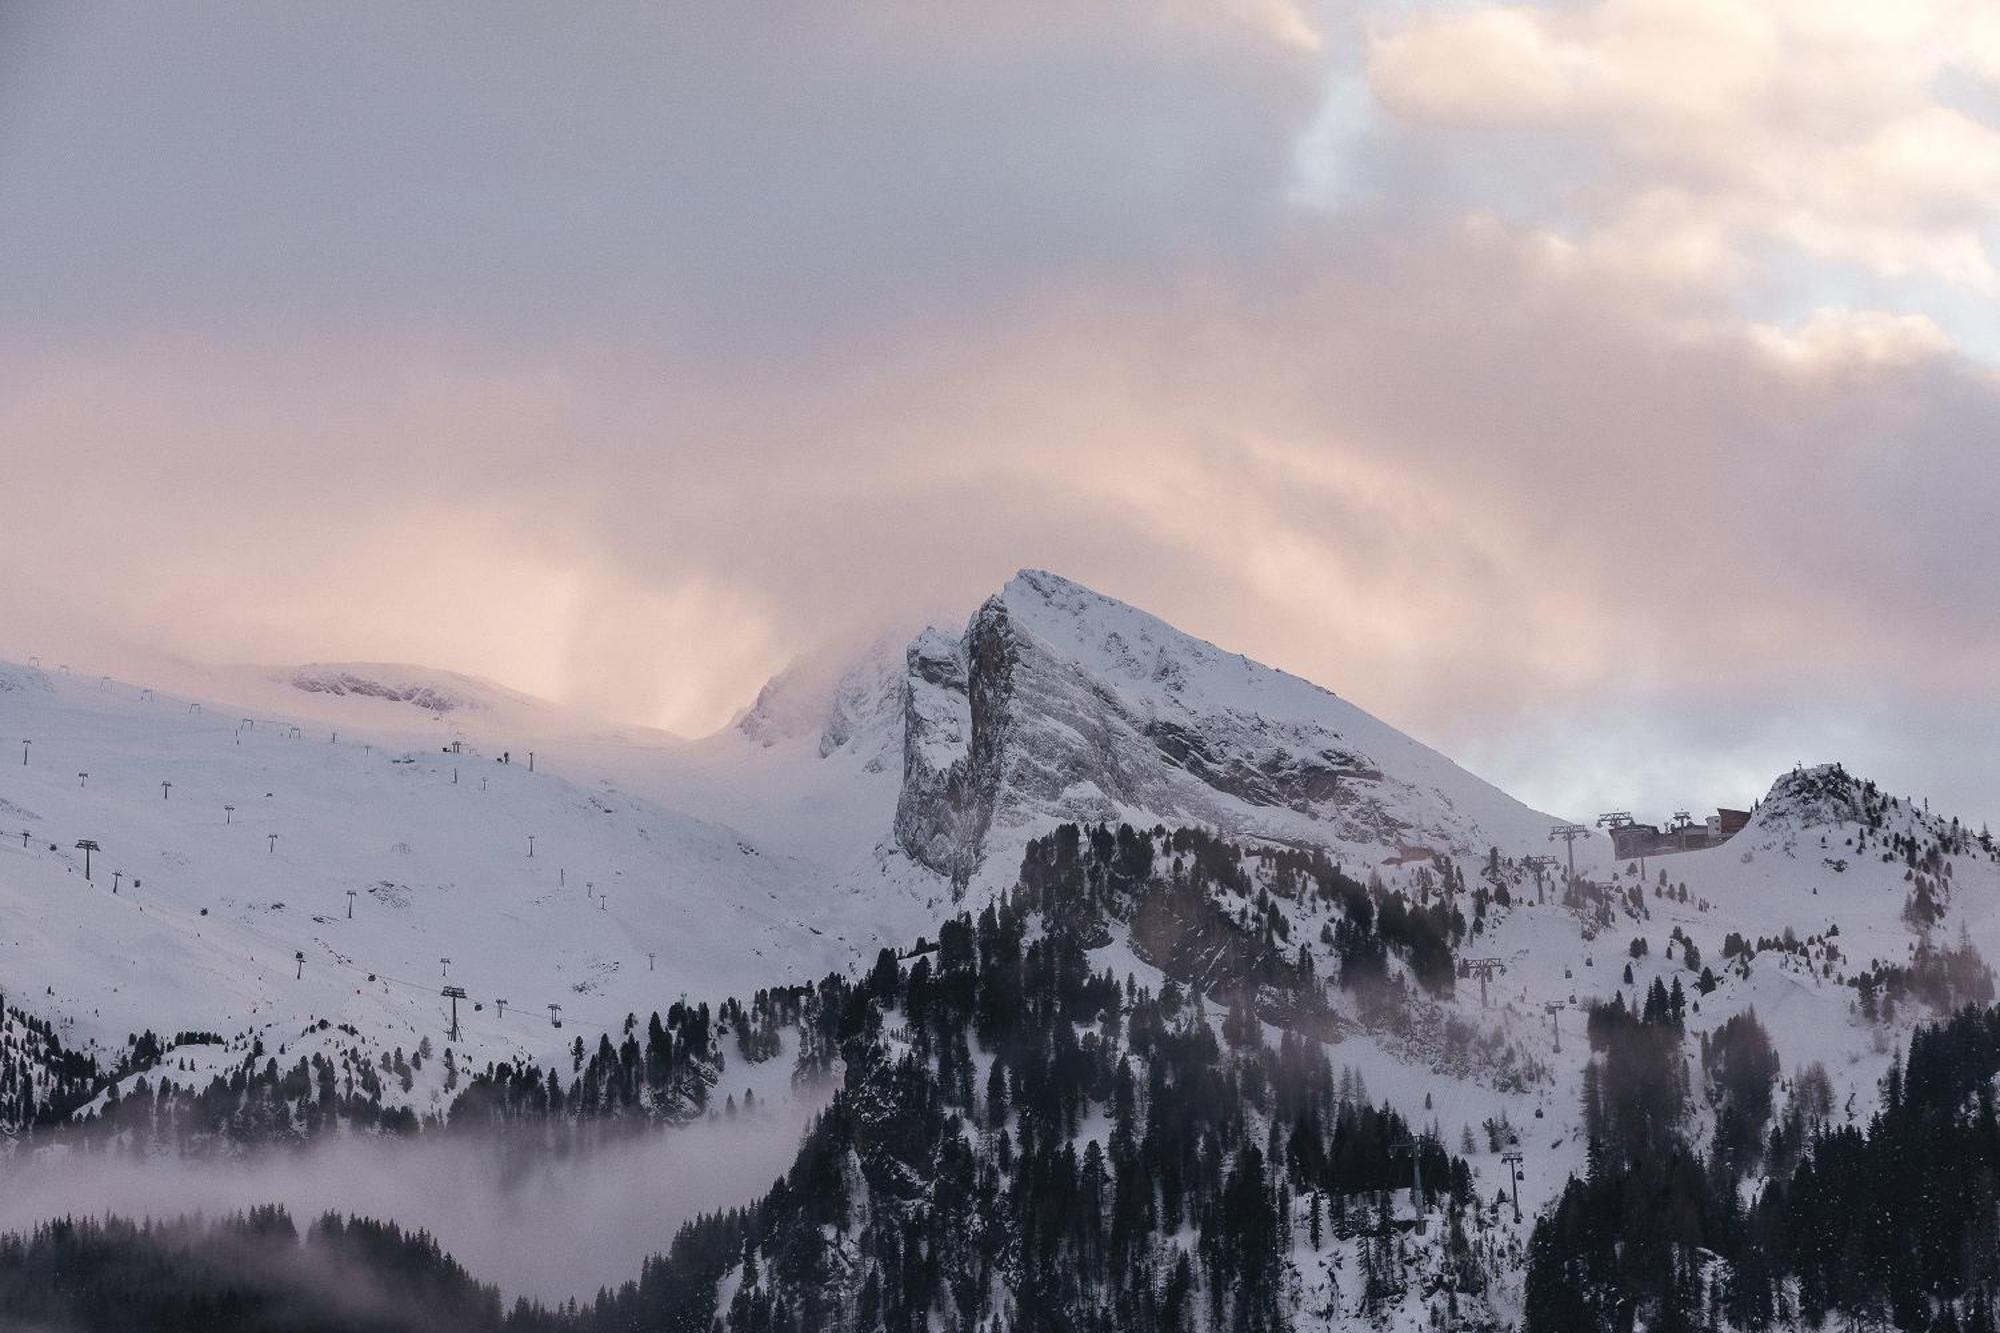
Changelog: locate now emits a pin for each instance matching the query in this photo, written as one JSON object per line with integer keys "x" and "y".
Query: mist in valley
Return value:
{"x": 533, "y": 1222}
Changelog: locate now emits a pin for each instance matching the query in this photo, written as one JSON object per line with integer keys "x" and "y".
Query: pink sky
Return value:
{"x": 1604, "y": 392}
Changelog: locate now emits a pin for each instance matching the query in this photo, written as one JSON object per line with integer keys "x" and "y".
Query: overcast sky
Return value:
{"x": 1604, "y": 392}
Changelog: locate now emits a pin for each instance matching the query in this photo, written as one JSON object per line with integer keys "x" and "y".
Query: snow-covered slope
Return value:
{"x": 1059, "y": 703}
{"x": 1818, "y": 889}
{"x": 228, "y": 846}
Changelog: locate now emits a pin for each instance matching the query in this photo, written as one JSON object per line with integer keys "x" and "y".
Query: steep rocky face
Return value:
{"x": 944, "y": 809}
{"x": 1060, "y": 704}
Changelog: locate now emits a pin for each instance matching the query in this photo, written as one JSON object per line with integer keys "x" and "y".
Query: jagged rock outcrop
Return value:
{"x": 1822, "y": 794}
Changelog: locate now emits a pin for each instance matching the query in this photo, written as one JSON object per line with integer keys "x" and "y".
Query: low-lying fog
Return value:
{"x": 532, "y": 1223}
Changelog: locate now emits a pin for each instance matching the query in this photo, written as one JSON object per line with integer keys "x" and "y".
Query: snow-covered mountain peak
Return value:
{"x": 1059, "y": 703}
{"x": 1810, "y": 797}
{"x": 1141, "y": 651}
{"x": 1826, "y": 801}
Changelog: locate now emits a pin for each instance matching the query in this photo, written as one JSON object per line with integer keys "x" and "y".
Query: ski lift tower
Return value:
{"x": 454, "y": 994}
{"x": 1612, "y": 821}
{"x": 86, "y": 846}
{"x": 1540, "y": 866}
{"x": 1484, "y": 968}
{"x": 1512, "y": 1159}
{"x": 1415, "y": 1147}
{"x": 1680, "y": 824}
{"x": 1569, "y": 833}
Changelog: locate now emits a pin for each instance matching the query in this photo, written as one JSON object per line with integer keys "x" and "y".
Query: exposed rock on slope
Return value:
{"x": 1823, "y": 794}
{"x": 434, "y": 691}
{"x": 19, "y": 679}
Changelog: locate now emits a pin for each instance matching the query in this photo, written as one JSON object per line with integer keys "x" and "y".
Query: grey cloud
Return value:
{"x": 714, "y": 177}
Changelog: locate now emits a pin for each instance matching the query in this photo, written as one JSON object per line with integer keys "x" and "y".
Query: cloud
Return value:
{"x": 1715, "y": 127}
{"x": 720, "y": 179}
{"x": 1535, "y": 466}
{"x": 1855, "y": 341}
{"x": 550, "y": 1227}
{"x": 622, "y": 363}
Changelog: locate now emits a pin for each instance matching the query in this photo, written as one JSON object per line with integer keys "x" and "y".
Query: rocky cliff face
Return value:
{"x": 956, "y": 715}
{"x": 1059, "y": 704}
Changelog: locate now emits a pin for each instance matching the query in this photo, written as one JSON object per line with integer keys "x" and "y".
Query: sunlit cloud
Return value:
{"x": 1700, "y": 130}
{"x": 1473, "y": 361}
